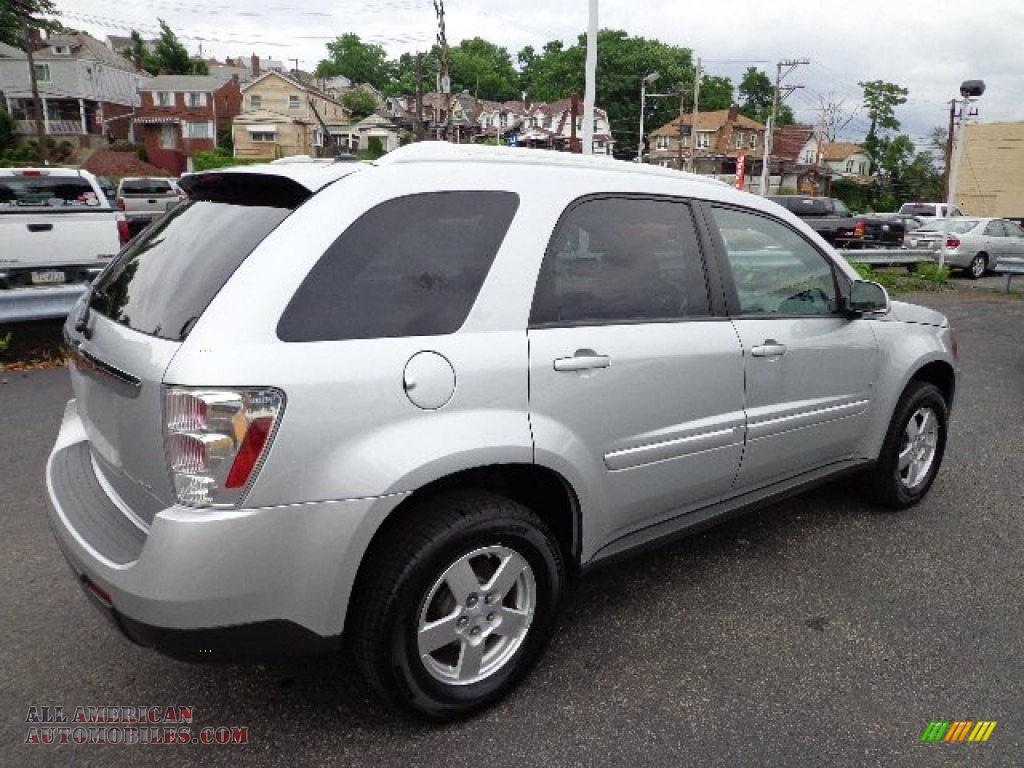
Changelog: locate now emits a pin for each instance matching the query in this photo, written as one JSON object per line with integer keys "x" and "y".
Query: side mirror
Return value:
{"x": 865, "y": 298}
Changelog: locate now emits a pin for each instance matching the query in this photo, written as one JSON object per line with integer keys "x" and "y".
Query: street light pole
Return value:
{"x": 969, "y": 89}
{"x": 643, "y": 105}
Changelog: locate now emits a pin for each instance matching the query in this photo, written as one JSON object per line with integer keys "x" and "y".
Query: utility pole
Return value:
{"x": 445, "y": 81}
{"x": 777, "y": 97}
{"x": 590, "y": 80}
{"x": 698, "y": 73}
{"x": 417, "y": 123}
{"x": 679, "y": 140}
{"x": 949, "y": 148}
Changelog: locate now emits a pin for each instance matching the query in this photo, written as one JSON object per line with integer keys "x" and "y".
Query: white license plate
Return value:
{"x": 48, "y": 277}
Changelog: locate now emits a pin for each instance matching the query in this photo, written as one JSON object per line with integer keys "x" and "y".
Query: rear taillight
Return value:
{"x": 952, "y": 243}
{"x": 119, "y": 203}
{"x": 124, "y": 234}
{"x": 216, "y": 439}
{"x": 859, "y": 228}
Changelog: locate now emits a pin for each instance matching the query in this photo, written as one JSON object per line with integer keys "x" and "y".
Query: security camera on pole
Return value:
{"x": 969, "y": 90}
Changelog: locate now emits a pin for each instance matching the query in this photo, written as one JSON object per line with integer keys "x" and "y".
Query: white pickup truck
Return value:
{"x": 57, "y": 232}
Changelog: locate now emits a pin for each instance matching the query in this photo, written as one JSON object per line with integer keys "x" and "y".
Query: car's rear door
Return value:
{"x": 636, "y": 387}
{"x": 809, "y": 370}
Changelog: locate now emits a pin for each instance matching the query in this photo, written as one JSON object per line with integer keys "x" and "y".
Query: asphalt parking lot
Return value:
{"x": 817, "y": 632}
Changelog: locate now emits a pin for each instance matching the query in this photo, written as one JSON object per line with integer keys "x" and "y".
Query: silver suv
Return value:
{"x": 391, "y": 408}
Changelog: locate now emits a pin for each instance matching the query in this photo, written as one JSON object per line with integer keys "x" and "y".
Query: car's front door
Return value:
{"x": 810, "y": 370}
{"x": 636, "y": 389}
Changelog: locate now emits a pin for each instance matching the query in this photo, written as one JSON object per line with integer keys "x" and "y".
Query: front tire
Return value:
{"x": 913, "y": 449}
{"x": 456, "y": 603}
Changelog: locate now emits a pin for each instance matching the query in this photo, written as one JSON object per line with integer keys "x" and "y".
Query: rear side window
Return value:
{"x": 146, "y": 187}
{"x": 164, "y": 280}
{"x": 409, "y": 267}
{"x": 46, "y": 192}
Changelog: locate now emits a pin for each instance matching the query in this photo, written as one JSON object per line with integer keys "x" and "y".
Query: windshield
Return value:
{"x": 165, "y": 279}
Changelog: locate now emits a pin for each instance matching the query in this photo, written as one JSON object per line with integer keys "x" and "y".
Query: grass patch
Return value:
{"x": 897, "y": 280}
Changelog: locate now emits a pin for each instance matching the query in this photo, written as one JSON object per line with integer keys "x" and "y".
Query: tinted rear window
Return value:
{"x": 918, "y": 210}
{"x": 409, "y": 267}
{"x": 164, "y": 280}
{"x": 46, "y": 192}
{"x": 146, "y": 187}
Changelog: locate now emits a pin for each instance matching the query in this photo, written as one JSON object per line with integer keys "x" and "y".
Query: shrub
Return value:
{"x": 122, "y": 145}
{"x": 218, "y": 158}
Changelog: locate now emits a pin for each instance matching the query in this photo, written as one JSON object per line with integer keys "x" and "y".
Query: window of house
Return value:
{"x": 42, "y": 73}
{"x": 737, "y": 140}
{"x": 621, "y": 260}
{"x": 863, "y": 168}
{"x": 255, "y": 101}
{"x": 199, "y": 130}
{"x": 194, "y": 99}
{"x": 293, "y": 102}
{"x": 849, "y": 166}
{"x": 163, "y": 99}
{"x": 662, "y": 142}
{"x": 809, "y": 157}
{"x": 258, "y": 136}
{"x": 753, "y": 141}
{"x": 547, "y": 121}
{"x": 703, "y": 138}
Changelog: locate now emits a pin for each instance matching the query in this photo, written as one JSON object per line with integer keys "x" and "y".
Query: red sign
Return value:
{"x": 741, "y": 169}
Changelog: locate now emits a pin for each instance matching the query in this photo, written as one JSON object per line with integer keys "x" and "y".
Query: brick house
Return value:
{"x": 713, "y": 146}
{"x": 181, "y": 115}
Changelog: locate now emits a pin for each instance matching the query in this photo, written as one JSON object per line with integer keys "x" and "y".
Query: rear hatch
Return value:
{"x": 53, "y": 228}
{"x": 126, "y": 330}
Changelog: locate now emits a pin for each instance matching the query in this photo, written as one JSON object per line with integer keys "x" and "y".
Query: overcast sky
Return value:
{"x": 926, "y": 47}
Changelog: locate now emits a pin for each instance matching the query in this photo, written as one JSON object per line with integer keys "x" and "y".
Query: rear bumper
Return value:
{"x": 209, "y": 584}
{"x": 20, "y": 305}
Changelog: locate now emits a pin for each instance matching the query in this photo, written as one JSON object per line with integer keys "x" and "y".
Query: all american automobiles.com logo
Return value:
{"x": 171, "y": 724}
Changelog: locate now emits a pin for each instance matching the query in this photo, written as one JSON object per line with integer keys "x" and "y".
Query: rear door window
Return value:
{"x": 164, "y": 280}
{"x": 46, "y": 192}
{"x": 409, "y": 267}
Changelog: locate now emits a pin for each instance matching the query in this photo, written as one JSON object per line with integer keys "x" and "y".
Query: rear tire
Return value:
{"x": 456, "y": 603}
{"x": 913, "y": 449}
{"x": 977, "y": 267}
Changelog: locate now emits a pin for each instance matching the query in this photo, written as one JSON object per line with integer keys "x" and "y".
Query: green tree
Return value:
{"x": 139, "y": 51}
{"x": 484, "y": 69}
{"x": 15, "y": 15}
{"x": 880, "y": 102}
{"x": 756, "y": 93}
{"x": 360, "y": 103}
{"x": 557, "y": 72}
{"x": 715, "y": 92}
{"x": 358, "y": 61}
{"x": 171, "y": 57}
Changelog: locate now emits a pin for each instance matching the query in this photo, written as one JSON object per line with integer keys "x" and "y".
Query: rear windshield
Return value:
{"x": 409, "y": 267}
{"x": 957, "y": 226}
{"x": 46, "y": 192}
{"x": 164, "y": 280}
{"x": 146, "y": 187}
{"x": 918, "y": 210}
{"x": 807, "y": 206}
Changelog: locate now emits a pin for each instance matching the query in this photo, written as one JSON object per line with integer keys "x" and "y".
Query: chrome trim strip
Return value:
{"x": 673, "y": 449}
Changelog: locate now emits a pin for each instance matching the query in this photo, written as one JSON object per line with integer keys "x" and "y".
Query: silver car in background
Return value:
{"x": 974, "y": 244}
{"x": 391, "y": 409}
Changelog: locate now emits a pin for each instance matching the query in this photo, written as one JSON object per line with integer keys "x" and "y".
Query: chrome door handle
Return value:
{"x": 770, "y": 348}
{"x": 583, "y": 360}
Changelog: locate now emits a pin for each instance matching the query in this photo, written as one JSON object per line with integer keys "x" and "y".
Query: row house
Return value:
{"x": 88, "y": 92}
{"x": 808, "y": 164}
{"x": 282, "y": 116}
{"x": 554, "y": 125}
{"x": 182, "y": 114}
{"x": 713, "y": 145}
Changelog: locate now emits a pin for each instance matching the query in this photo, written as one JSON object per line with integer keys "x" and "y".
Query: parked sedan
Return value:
{"x": 975, "y": 245}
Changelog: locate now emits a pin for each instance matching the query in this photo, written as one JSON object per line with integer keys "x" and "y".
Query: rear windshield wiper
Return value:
{"x": 82, "y": 321}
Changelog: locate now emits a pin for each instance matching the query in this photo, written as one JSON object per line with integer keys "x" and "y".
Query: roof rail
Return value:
{"x": 445, "y": 152}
